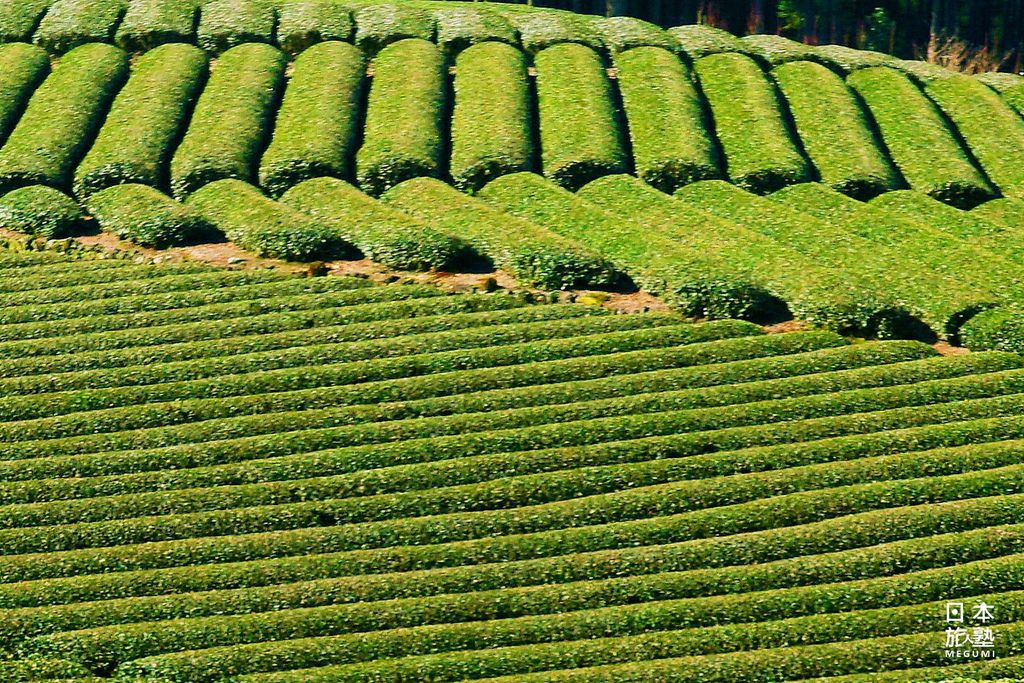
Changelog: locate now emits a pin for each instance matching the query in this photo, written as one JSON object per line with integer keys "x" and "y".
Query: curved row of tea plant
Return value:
{"x": 213, "y": 476}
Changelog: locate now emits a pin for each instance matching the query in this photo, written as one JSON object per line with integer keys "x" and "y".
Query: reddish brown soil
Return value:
{"x": 947, "y": 349}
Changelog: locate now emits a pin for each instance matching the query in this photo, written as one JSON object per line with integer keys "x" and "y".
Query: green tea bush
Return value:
{"x": 271, "y": 482}
{"x": 541, "y": 30}
{"x": 773, "y": 50}
{"x": 65, "y": 313}
{"x": 934, "y": 300}
{"x": 265, "y": 322}
{"x": 700, "y": 40}
{"x": 972, "y": 226}
{"x": 1001, "y": 328}
{"x": 579, "y": 130}
{"x": 19, "y": 19}
{"x": 991, "y": 129}
{"x": 381, "y": 233}
{"x": 834, "y": 131}
{"x": 185, "y": 277}
{"x": 919, "y": 142}
{"x": 655, "y": 262}
{"x": 1015, "y": 98}
{"x": 304, "y": 23}
{"x": 668, "y": 129}
{"x": 403, "y": 136}
{"x": 224, "y": 24}
{"x": 675, "y": 656}
{"x": 736, "y": 271}
{"x": 40, "y": 210}
{"x": 481, "y": 311}
{"x": 1006, "y": 212}
{"x": 62, "y": 117}
{"x": 489, "y": 377}
{"x": 316, "y": 402}
{"x": 1000, "y": 81}
{"x": 922, "y": 72}
{"x": 524, "y": 597}
{"x": 379, "y": 25}
{"x": 542, "y": 640}
{"x": 702, "y": 382}
{"x": 149, "y": 23}
{"x": 146, "y": 216}
{"x": 103, "y": 645}
{"x": 865, "y": 562}
{"x": 759, "y": 154}
{"x": 264, "y": 226}
{"x": 317, "y": 125}
{"x": 928, "y": 246}
{"x": 625, "y": 33}
{"x": 43, "y": 274}
{"x": 824, "y": 536}
{"x": 382, "y": 515}
{"x": 491, "y": 127}
{"x": 845, "y": 60}
{"x": 462, "y": 27}
{"x": 147, "y": 118}
{"x": 529, "y": 252}
{"x": 39, "y": 668}
{"x": 231, "y": 121}
{"x": 22, "y": 68}
{"x": 70, "y": 23}
{"x": 921, "y": 553}
{"x": 281, "y": 294}
{"x": 280, "y": 370}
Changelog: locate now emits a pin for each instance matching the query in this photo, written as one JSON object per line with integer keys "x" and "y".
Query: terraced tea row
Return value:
{"x": 224, "y": 130}
{"x": 294, "y": 479}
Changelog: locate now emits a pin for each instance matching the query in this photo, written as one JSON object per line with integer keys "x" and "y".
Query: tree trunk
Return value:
{"x": 755, "y": 24}
{"x": 935, "y": 29}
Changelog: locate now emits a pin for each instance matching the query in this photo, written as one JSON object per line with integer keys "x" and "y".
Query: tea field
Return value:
{"x": 241, "y": 475}
{"x": 217, "y": 472}
{"x": 729, "y": 176}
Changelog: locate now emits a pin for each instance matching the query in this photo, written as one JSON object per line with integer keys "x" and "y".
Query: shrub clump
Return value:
{"x": 625, "y": 33}
{"x": 379, "y": 25}
{"x": 62, "y": 117}
{"x": 461, "y": 27}
{"x": 491, "y": 124}
{"x": 530, "y": 252}
{"x": 40, "y": 210}
{"x": 317, "y": 124}
{"x": 760, "y": 155}
{"x": 231, "y": 120}
{"x": 264, "y": 226}
{"x": 223, "y": 24}
{"x": 700, "y": 40}
{"x": 920, "y": 143}
{"x": 149, "y": 113}
{"x": 70, "y": 23}
{"x": 149, "y": 23}
{"x": 668, "y": 128}
{"x": 579, "y": 131}
{"x": 302, "y": 23}
{"x": 380, "y": 232}
{"x": 146, "y": 216}
{"x": 541, "y": 30}
{"x": 402, "y": 137}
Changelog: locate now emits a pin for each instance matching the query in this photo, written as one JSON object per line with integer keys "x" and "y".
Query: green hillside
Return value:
{"x": 226, "y": 475}
{"x": 441, "y": 449}
{"x": 274, "y": 93}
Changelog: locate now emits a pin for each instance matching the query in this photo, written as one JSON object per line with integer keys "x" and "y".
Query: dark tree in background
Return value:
{"x": 968, "y": 34}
